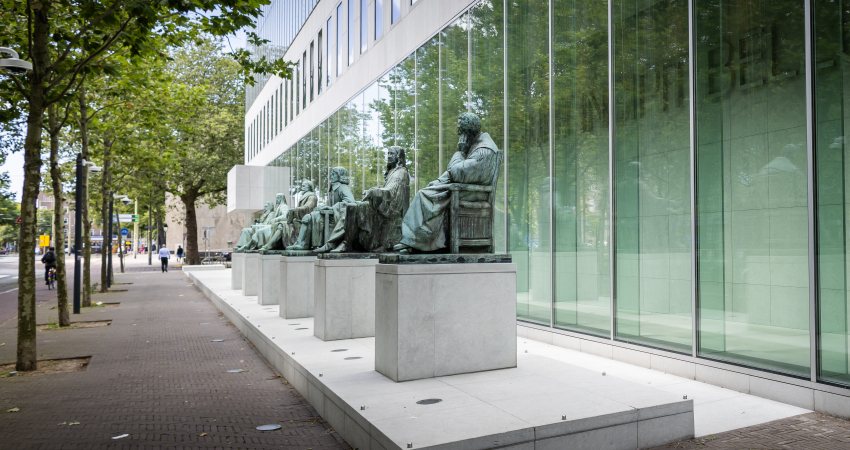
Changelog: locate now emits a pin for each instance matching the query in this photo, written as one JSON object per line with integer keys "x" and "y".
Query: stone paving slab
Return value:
{"x": 156, "y": 375}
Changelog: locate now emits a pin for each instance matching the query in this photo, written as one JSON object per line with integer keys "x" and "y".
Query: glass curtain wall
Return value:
{"x": 580, "y": 141}
{"x": 832, "y": 94}
{"x": 752, "y": 184}
{"x": 652, "y": 173}
{"x": 487, "y": 90}
{"x": 546, "y": 104}
{"x": 528, "y": 157}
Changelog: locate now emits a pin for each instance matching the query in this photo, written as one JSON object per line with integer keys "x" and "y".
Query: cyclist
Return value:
{"x": 49, "y": 261}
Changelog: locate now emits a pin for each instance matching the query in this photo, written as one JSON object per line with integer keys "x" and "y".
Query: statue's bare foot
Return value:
{"x": 340, "y": 248}
{"x": 295, "y": 247}
{"x": 323, "y": 249}
{"x": 400, "y": 247}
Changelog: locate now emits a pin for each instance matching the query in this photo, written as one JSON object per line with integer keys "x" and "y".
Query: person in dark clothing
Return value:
{"x": 49, "y": 261}
{"x": 179, "y": 253}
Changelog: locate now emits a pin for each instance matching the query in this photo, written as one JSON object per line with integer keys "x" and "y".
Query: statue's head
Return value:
{"x": 396, "y": 157}
{"x": 279, "y": 198}
{"x": 268, "y": 206}
{"x": 339, "y": 175}
{"x": 468, "y": 124}
{"x": 306, "y": 186}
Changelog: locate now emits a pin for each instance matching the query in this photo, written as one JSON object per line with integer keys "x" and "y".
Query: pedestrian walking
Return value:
{"x": 164, "y": 256}
{"x": 179, "y": 253}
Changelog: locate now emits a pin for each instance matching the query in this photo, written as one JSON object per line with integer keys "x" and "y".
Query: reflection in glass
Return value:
{"x": 832, "y": 97}
{"x": 395, "y": 11}
{"x": 652, "y": 173}
{"x": 528, "y": 157}
{"x": 454, "y": 86}
{"x": 487, "y": 89}
{"x": 580, "y": 118}
{"x": 752, "y": 184}
{"x": 427, "y": 156}
{"x": 328, "y": 52}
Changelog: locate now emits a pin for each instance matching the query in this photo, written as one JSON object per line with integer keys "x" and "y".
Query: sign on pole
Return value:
{"x": 44, "y": 240}
{"x": 125, "y": 232}
{"x": 125, "y": 217}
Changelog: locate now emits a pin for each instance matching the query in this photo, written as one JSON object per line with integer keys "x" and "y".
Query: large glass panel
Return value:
{"x": 426, "y": 160}
{"x": 312, "y": 71}
{"x": 580, "y": 119}
{"x": 454, "y": 85}
{"x": 752, "y": 184}
{"x": 832, "y": 94}
{"x": 487, "y": 90}
{"x": 652, "y": 173}
{"x": 528, "y": 157}
{"x": 305, "y": 72}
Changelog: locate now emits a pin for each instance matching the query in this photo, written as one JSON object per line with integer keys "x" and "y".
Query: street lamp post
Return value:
{"x": 13, "y": 64}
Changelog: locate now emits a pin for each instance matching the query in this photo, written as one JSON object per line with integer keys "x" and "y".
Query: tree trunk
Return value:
{"x": 84, "y": 209}
{"x": 58, "y": 209}
{"x": 192, "y": 256}
{"x": 104, "y": 213}
{"x": 27, "y": 358}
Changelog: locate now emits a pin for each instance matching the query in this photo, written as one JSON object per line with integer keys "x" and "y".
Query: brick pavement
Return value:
{"x": 156, "y": 375}
{"x": 813, "y": 431}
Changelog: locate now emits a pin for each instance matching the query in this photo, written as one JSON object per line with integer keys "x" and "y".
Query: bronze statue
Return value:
{"x": 307, "y": 202}
{"x": 312, "y": 233}
{"x": 266, "y": 233}
{"x": 374, "y": 224}
{"x": 248, "y": 232}
{"x": 476, "y": 162}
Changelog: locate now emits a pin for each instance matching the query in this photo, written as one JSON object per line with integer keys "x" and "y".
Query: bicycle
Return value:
{"x": 51, "y": 278}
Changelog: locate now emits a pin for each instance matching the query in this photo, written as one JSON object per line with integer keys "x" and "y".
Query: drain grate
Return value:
{"x": 302, "y": 328}
{"x": 429, "y": 401}
{"x": 354, "y": 357}
{"x": 339, "y": 350}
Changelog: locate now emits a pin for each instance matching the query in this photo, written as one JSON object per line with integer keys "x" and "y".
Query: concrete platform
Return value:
{"x": 237, "y": 265}
{"x": 269, "y": 291}
{"x": 250, "y": 274}
{"x": 295, "y": 295}
{"x": 545, "y": 402}
{"x": 344, "y": 306}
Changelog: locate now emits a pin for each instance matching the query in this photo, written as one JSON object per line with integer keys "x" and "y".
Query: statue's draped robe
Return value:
{"x": 248, "y": 232}
{"x": 425, "y": 224}
{"x": 263, "y": 233}
{"x": 306, "y": 204}
{"x": 339, "y": 197}
{"x": 279, "y": 222}
{"x": 374, "y": 225}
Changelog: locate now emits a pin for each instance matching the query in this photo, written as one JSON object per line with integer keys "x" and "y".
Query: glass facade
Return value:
{"x": 674, "y": 171}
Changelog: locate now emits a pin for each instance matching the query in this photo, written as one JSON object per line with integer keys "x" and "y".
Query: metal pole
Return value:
{"x": 78, "y": 232}
{"x": 107, "y": 243}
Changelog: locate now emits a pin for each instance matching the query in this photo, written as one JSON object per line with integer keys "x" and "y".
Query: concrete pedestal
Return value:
{"x": 344, "y": 305}
{"x": 250, "y": 274}
{"x": 237, "y": 265}
{"x": 296, "y": 286}
{"x": 444, "y": 319}
{"x": 269, "y": 280}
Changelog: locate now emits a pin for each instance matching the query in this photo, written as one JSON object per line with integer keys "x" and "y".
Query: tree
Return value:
{"x": 64, "y": 39}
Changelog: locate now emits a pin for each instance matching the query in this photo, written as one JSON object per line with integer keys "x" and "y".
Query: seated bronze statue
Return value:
{"x": 374, "y": 224}
{"x": 468, "y": 182}
{"x": 312, "y": 232}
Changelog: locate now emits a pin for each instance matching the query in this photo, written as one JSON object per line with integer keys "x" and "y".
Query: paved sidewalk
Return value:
{"x": 156, "y": 375}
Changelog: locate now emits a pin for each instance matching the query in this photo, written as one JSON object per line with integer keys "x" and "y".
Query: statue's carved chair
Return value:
{"x": 471, "y": 214}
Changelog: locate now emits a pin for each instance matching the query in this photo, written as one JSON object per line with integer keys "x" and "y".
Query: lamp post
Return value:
{"x": 78, "y": 230}
{"x": 13, "y": 64}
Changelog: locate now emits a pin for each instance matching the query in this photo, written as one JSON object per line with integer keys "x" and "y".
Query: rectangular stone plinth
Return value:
{"x": 250, "y": 273}
{"x": 269, "y": 280}
{"x": 344, "y": 305}
{"x": 444, "y": 319}
{"x": 297, "y": 275}
{"x": 237, "y": 265}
